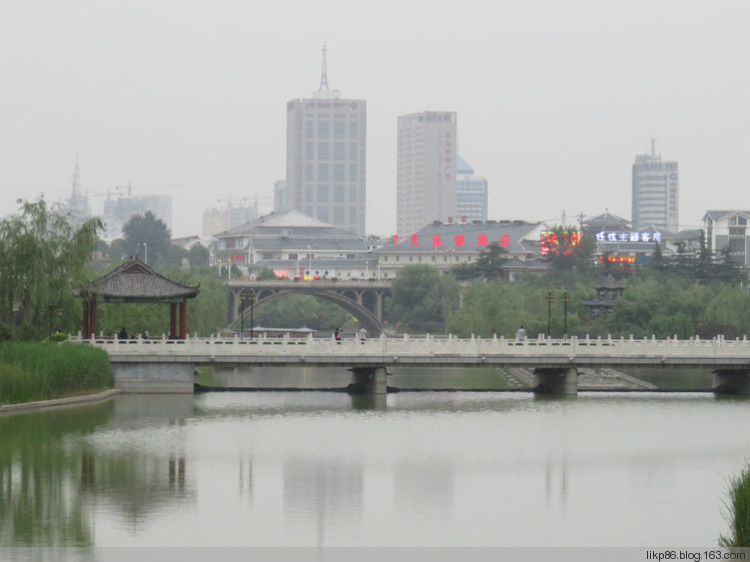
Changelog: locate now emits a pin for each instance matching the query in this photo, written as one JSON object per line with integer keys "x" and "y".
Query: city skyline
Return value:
{"x": 555, "y": 98}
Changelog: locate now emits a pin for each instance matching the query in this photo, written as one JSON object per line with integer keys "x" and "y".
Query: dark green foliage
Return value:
{"x": 296, "y": 311}
{"x": 738, "y": 511}
{"x": 489, "y": 265}
{"x": 42, "y": 257}
{"x": 42, "y": 371}
{"x": 422, "y": 299}
{"x": 147, "y": 237}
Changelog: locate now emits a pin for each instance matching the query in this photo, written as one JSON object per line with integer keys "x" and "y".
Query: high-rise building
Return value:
{"x": 426, "y": 175}
{"x": 471, "y": 193}
{"x": 655, "y": 192}
{"x": 325, "y": 157}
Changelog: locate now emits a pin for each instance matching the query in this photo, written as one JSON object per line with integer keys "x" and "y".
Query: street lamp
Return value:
{"x": 550, "y": 299}
{"x": 309, "y": 255}
{"x": 252, "y": 295}
{"x": 566, "y": 300}
{"x": 243, "y": 298}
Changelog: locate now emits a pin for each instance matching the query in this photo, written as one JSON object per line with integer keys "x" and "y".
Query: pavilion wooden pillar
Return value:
{"x": 89, "y": 317}
{"x": 172, "y": 320}
{"x": 86, "y": 326}
{"x": 183, "y": 319}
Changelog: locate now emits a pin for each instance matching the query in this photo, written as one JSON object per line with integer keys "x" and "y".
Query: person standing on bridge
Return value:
{"x": 362, "y": 335}
{"x": 337, "y": 335}
{"x": 520, "y": 334}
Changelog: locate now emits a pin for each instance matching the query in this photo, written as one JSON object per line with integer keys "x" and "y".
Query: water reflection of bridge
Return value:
{"x": 363, "y": 299}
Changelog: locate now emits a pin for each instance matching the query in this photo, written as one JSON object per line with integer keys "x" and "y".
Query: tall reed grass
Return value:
{"x": 31, "y": 371}
{"x": 738, "y": 511}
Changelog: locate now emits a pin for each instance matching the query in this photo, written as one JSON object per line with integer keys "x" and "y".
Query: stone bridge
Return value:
{"x": 362, "y": 299}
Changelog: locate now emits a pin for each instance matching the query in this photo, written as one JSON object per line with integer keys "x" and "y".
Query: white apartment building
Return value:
{"x": 326, "y": 158}
{"x": 655, "y": 193}
{"x": 426, "y": 174}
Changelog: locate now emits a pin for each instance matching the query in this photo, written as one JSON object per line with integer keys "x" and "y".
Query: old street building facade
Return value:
{"x": 448, "y": 245}
{"x": 293, "y": 245}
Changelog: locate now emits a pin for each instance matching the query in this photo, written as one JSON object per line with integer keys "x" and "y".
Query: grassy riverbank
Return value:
{"x": 738, "y": 511}
{"x": 42, "y": 371}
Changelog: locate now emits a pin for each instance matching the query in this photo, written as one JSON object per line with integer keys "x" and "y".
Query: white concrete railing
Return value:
{"x": 418, "y": 346}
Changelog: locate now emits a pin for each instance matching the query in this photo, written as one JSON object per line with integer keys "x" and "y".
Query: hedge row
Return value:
{"x": 32, "y": 371}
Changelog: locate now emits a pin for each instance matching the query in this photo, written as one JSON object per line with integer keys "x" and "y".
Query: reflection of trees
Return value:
{"x": 41, "y": 499}
{"x": 55, "y": 465}
{"x": 333, "y": 489}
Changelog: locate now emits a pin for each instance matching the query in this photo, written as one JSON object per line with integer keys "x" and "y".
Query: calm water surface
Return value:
{"x": 415, "y": 469}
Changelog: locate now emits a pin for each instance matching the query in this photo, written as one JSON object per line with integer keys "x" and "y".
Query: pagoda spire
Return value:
{"x": 324, "y": 73}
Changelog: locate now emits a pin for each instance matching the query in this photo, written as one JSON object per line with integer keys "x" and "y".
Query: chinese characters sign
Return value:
{"x": 459, "y": 240}
{"x": 609, "y": 236}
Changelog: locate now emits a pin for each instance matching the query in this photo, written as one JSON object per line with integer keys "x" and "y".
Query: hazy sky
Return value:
{"x": 554, "y": 98}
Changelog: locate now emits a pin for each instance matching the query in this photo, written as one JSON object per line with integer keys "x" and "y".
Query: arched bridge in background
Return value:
{"x": 362, "y": 299}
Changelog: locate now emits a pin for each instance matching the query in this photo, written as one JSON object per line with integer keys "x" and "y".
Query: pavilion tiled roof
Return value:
{"x": 136, "y": 281}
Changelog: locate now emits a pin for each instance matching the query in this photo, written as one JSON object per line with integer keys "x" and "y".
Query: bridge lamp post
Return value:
{"x": 253, "y": 296}
{"x": 243, "y": 298}
{"x": 566, "y": 300}
{"x": 550, "y": 299}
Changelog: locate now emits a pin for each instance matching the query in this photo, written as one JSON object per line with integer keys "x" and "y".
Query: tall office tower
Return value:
{"x": 426, "y": 175}
{"x": 471, "y": 193}
{"x": 655, "y": 192}
{"x": 325, "y": 157}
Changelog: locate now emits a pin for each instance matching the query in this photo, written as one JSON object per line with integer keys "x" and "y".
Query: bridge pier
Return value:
{"x": 157, "y": 377}
{"x": 368, "y": 380}
{"x": 732, "y": 381}
{"x": 557, "y": 380}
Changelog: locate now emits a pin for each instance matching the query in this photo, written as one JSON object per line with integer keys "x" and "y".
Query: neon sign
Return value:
{"x": 557, "y": 244}
{"x": 459, "y": 240}
{"x": 610, "y": 236}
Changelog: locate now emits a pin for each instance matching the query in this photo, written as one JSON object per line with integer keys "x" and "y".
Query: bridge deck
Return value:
{"x": 717, "y": 353}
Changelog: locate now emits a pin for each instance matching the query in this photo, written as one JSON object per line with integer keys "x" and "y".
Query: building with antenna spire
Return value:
{"x": 326, "y": 144}
{"x": 655, "y": 192}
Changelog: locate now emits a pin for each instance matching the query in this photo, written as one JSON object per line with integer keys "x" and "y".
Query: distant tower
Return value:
{"x": 655, "y": 192}
{"x": 326, "y": 144}
{"x": 471, "y": 193}
{"x": 324, "y": 72}
{"x": 426, "y": 173}
{"x": 78, "y": 203}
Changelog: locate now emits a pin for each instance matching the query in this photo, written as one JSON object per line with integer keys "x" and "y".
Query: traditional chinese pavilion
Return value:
{"x": 135, "y": 282}
{"x": 607, "y": 292}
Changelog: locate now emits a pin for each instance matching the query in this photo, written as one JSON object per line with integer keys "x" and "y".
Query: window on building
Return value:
{"x": 324, "y": 151}
{"x": 339, "y": 129}
{"x": 323, "y": 129}
{"x": 338, "y": 151}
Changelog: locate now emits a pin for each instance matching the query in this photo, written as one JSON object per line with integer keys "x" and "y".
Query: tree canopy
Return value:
{"x": 42, "y": 257}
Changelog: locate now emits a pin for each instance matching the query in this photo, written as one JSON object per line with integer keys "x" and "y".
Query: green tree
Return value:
{"x": 147, "y": 237}
{"x": 489, "y": 264}
{"x": 42, "y": 257}
{"x": 296, "y": 311}
{"x": 198, "y": 255}
{"x": 422, "y": 299}
{"x": 567, "y": 248}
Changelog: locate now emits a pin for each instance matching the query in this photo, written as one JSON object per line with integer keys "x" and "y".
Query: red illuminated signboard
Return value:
{"x": 459, "y": 240}
{"x": 559, "y": 243}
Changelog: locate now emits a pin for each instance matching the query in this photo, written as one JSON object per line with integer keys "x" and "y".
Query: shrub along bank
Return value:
{"x": 738, "y": 511}
{"x": 32, "y": 371}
